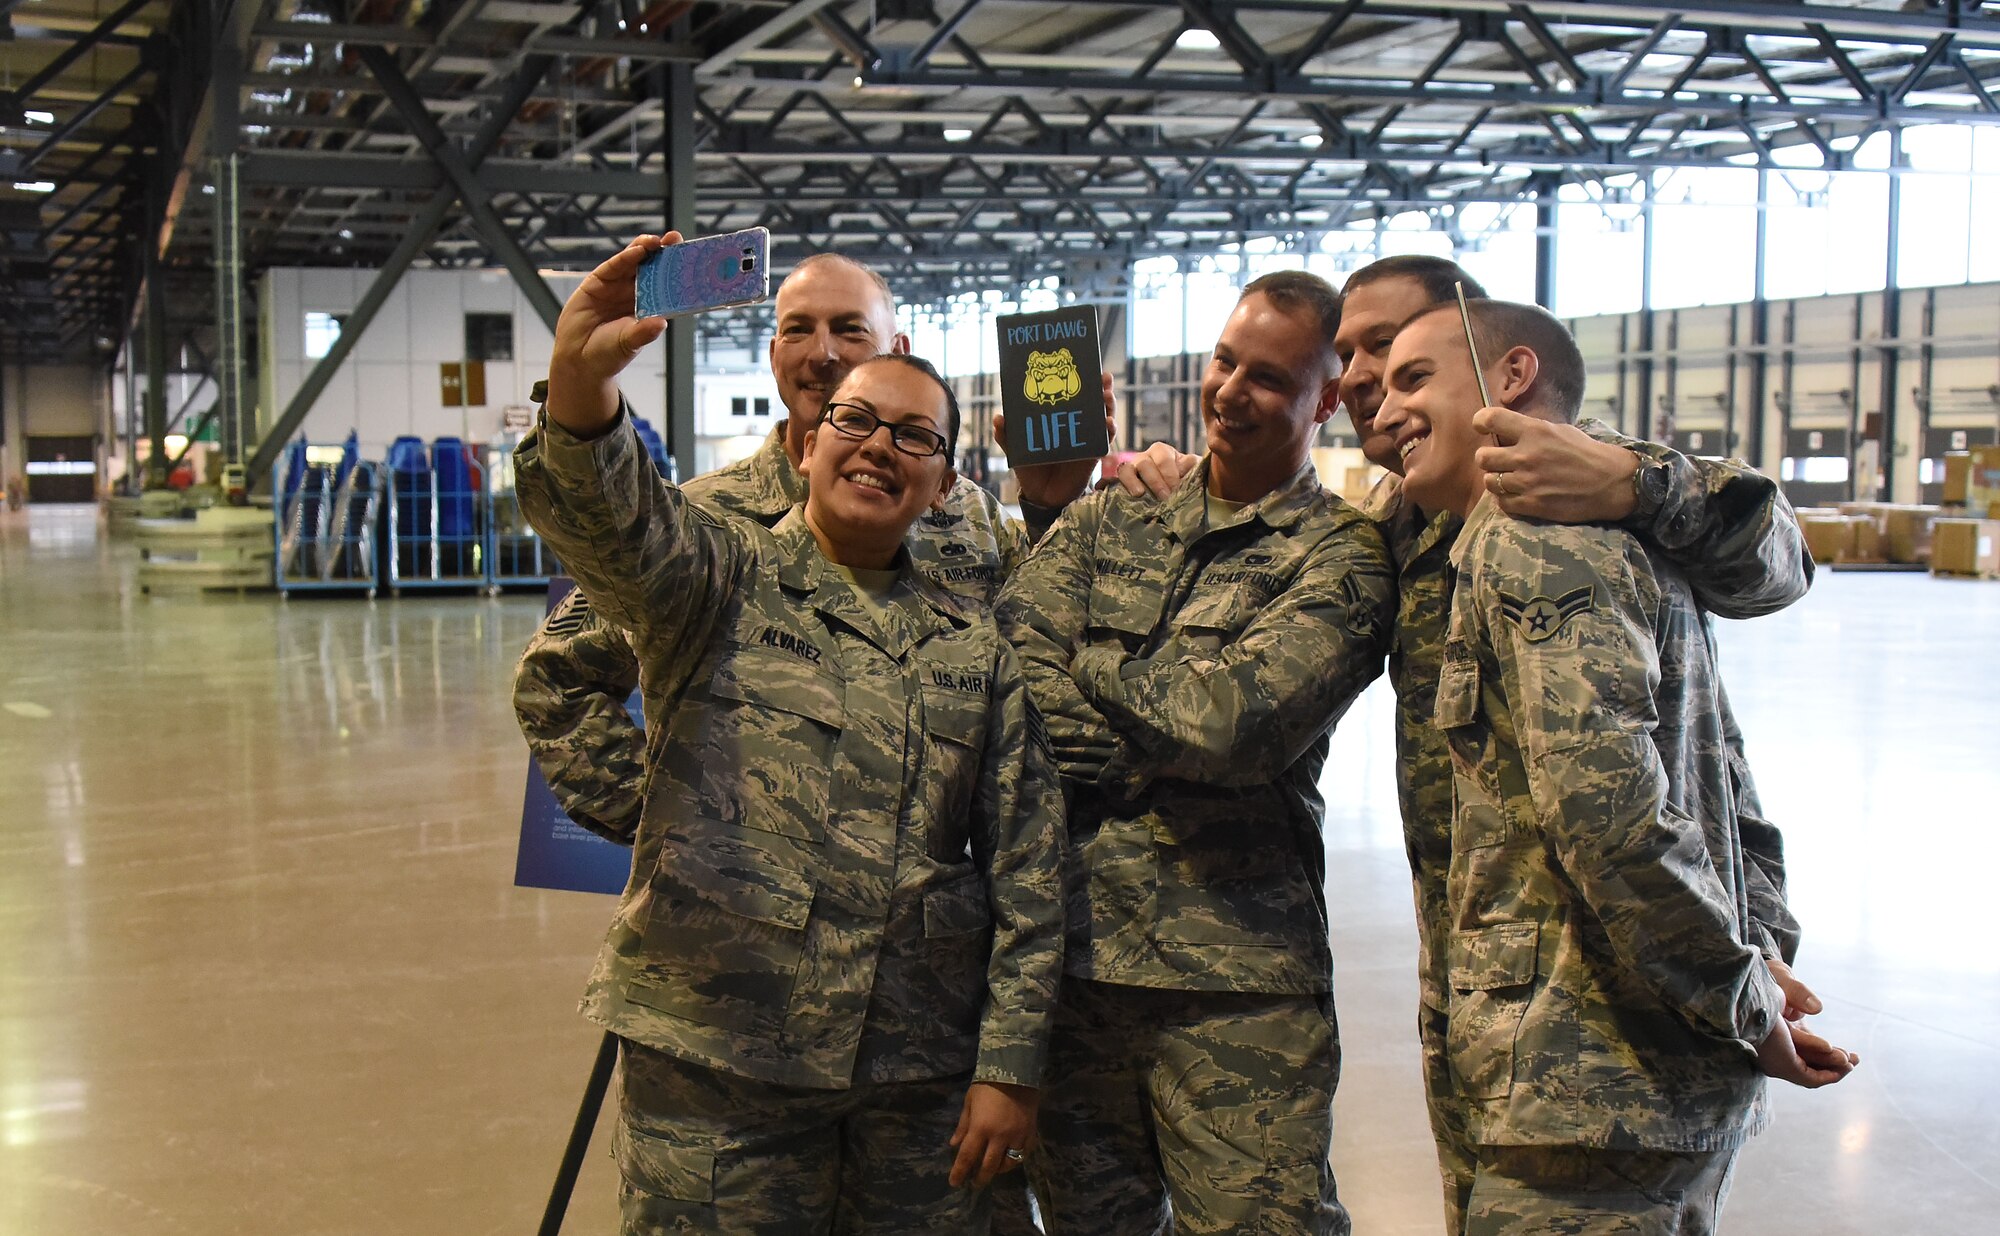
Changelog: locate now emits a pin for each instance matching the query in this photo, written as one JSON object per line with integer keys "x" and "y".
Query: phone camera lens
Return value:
{"x": 749, "y": 265}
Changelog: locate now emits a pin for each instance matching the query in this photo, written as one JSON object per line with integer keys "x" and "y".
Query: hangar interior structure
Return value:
{"x": 1748, "y": 202}
{"x": 266, "y": 964}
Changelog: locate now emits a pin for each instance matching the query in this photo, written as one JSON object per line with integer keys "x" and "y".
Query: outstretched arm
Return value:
{"x": 648, "y": 560}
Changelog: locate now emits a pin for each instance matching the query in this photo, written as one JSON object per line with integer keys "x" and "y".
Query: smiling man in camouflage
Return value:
{"x": 1190, "y": 658}
{"x": 1610, "y": 1011}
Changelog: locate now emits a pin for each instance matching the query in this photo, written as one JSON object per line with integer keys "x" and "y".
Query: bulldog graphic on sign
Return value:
{"x": 1052, "y": 377}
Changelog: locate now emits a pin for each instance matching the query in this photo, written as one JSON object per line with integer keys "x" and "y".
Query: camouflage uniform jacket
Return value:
{"x": 571, "y": 686}
{"x": 1606, "y": 989}
{"x": 847, "y": 866}
{"x": 1220, "y": 658}
{"x": 1725, "y": 525}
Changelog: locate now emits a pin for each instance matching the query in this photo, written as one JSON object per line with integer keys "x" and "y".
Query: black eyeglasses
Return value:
{"x": 854, "y": 421}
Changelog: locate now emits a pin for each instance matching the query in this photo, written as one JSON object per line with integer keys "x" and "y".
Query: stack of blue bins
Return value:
{"x": 411, "y": 499}
{"x": 456, "y": 480}
{"x": 326, "y": 519}
{"x": 434, "y": 511}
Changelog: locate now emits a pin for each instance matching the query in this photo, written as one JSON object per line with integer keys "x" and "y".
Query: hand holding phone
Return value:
{"x": 712, "y": 272}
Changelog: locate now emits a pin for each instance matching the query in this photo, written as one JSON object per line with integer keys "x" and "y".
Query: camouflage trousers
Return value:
{"x": 1451, "y": 1119}
{"x": 1578, "y": 1191}
{"x": 706, "y": 1151}
{"x": 1188, "y": 1111}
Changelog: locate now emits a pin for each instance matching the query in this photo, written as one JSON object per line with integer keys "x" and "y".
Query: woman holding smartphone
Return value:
{"x": 835, "y": 962}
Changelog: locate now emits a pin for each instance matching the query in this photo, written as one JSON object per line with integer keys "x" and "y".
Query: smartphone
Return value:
{"x": 712, "y": 272}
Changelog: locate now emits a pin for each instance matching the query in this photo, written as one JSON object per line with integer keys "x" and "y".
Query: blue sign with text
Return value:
{"x": 555, "y": 852}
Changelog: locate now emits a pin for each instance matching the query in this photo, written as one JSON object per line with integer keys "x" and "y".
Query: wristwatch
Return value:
{"x": 1650, "y": 486}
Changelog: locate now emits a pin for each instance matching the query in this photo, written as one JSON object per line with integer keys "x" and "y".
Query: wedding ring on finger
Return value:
{"x": 1015, "y": 1156}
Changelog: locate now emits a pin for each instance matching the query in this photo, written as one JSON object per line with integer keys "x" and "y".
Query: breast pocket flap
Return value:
{"x": 783, "y": 683}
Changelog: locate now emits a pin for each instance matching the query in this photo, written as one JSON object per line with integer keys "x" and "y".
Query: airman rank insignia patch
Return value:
{"x": 570, "y": 615}
{"x": 1540, "y": 617}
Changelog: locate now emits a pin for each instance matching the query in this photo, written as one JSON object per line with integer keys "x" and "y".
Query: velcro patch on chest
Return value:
{"x": 787, "y": 641}
{"x": 1540, "y": 617}
{"x": 959, "y": 680}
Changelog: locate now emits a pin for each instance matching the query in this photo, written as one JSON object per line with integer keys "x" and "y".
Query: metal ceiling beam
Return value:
{"x": 422, "y": 229}
{"x": 477, "y": 201}
{"x": 79, "y": 49}
{"x": 1594, "y": 95}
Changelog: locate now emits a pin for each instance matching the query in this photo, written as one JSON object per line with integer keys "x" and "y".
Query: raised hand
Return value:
{"x": 597, "y": 336}
{"x": 1541, "y": 469}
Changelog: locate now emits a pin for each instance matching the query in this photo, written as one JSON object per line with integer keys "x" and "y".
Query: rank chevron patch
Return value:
{"x": 1540, "y": 618}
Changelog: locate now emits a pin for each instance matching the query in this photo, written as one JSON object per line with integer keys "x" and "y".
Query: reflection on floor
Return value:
{"x": 262, "y": 970}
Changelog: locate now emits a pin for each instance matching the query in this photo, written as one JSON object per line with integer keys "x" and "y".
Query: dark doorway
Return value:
{"x": 62, "y": 468}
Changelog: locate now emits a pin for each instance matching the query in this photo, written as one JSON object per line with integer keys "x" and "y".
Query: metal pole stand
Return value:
{"x": 579, "y": 1136}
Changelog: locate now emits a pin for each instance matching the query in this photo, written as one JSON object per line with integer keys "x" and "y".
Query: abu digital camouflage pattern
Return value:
{"x": 1569, "y": 1191}
{"x": 1190, "y": 675}
{"x": 701, "y": 1151}
{"x": 1746, "y": 557}
{"x": 1241, "y": 1123}
{"x": 1208, "y": 664}
{"x": 847, "y": 867}
{"x": 572, "y": 683}
{"x": 1606, "y": 986}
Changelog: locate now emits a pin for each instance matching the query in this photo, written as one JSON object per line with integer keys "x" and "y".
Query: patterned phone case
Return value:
{"x": 713, "y": 272}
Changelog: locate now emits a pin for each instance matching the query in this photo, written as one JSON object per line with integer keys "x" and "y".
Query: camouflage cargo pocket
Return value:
{"x": 659, "y": 1168}
{"x": 724, "y": 941}
{"x": 765, "y": 761}
{"x": 1492, "y": 978}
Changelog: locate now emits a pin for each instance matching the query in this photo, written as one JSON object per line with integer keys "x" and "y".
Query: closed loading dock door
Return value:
{"x": 62, "y": 468}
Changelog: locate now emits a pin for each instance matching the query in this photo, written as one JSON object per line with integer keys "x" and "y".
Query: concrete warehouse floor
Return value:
{"x": 262, "y": 969}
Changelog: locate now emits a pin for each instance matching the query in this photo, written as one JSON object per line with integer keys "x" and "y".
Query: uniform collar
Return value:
{"x": 1185, "y": 512}
{"x": 775, "y": 485}
{"x": 1484, "y": 513}
{"x": 917, "y": 610}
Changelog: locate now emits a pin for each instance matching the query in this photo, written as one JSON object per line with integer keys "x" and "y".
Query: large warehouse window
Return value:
{"x": 1983, "y": 264}
{"x": 1935, "y": 229}
{"x": 1704, "y": 237}
{"x": 1827, "y": 232}
{"x": 1600, "y": 248}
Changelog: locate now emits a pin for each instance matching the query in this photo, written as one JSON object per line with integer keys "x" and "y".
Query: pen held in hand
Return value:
{"x": 1478, "y": 369}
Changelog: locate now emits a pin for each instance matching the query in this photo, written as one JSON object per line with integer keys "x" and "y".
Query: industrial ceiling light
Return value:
{"x": 958, "y": 135}
{"x": 35, "y": 186}
{"x": 1310, "y": 140}
{"x": 40, "y": 117}
{"x": 1197, "y": 39}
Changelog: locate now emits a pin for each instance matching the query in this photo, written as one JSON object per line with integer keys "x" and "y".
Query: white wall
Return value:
{"x": 389, "y": 385}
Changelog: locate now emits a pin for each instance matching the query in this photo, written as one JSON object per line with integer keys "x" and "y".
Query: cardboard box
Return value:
{"x": 1957, "y": 476}
{"x": 1867, "y": 543}
{"x": 1966, "y": 547}
{"x": 1907, "y": 532}
{"x": 1982, "y": 485}
{"x": 1829, "y": 537}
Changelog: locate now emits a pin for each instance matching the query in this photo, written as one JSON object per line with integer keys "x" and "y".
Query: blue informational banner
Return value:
{"x": 555, "y": 852}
